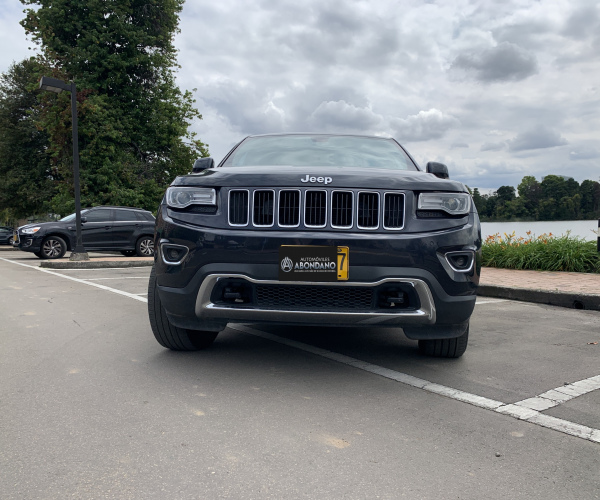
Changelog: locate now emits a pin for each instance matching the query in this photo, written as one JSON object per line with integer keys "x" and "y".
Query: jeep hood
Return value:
{"x": 341, "y": 177}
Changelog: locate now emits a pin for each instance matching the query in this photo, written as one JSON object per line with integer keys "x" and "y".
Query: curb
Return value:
{"x": 96, "y": 265}
{"x": 561, "y": 299}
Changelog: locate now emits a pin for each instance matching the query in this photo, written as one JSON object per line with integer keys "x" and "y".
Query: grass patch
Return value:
{"x": 541, "y": 253}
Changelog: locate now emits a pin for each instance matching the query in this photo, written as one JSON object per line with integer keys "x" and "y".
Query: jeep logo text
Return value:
{"x": 323, "y": 180}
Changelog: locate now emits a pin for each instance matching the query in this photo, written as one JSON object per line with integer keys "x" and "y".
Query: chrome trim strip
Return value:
{"x": 426, "y": 315}
{"x": 229, "y": 208}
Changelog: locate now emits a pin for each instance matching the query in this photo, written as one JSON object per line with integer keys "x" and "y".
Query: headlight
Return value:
{"x": 452, "y": 203}
{"x": 182, "y": 196}
{"x": 30, "y": 230}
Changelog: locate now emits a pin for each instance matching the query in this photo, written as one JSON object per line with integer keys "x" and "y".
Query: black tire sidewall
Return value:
{"x": 138, "y": 246}
{"x": 60, "y": 241}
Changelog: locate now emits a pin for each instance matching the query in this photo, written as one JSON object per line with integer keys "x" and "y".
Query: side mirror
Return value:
{"x": 202, "y": 164}
{"x": 438, "y": 169}
{"x": 83, "y": 219}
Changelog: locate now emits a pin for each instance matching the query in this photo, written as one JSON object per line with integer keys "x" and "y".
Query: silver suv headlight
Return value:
{"x": 451, "y": 203}
{"x": 184, "y": 196}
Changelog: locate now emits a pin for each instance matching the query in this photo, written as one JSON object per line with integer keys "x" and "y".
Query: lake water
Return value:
{"x": 580, "y": 228}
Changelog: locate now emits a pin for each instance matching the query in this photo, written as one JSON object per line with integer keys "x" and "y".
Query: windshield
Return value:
{"x": 71, "y": 217}
{"x": 320, "y": 150}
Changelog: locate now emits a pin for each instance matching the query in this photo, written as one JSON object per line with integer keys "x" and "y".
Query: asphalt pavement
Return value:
{"x": 94, "y": 407}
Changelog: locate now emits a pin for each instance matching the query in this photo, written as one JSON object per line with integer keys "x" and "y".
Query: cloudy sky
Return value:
{"x": 496, "y": 90}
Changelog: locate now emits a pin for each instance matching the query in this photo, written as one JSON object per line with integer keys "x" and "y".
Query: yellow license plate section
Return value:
{"x": 343, "y": 254}
{"x": 313, "y": 263}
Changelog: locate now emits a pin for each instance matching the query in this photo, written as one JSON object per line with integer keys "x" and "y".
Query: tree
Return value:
{"x": 479, "y": 201}
{"x": 133, "y": 120}
{"x": 26, "y": 176}
{"x": 530, "y": 192}
{"x": 506, "y": 193}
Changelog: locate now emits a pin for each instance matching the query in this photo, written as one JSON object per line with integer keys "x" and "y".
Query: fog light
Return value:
{"x": 173, "y": 254}
{"x": 461, "y": 262}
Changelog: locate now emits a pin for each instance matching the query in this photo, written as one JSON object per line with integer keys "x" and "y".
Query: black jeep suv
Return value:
{"x": 124, "y": 229}
{"x": 316, "y": 230}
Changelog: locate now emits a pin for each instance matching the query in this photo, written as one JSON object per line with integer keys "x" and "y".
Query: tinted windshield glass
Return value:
{"x": 320, "y": 150}
{"x": 72, "y": 216}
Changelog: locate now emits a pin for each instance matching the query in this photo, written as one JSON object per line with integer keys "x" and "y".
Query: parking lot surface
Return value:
{"x": 93, "y": 407}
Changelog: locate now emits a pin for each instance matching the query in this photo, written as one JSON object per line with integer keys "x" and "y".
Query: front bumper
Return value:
{"x": 439, "y": 298}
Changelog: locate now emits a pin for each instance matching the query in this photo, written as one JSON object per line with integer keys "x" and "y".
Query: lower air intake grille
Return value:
{"x": 300, "y": 298}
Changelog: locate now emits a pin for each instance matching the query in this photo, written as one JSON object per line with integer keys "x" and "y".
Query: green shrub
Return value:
{"x": 541, "y": 253}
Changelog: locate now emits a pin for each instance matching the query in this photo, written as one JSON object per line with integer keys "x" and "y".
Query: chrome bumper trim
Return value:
{"x": 426, "y": 315}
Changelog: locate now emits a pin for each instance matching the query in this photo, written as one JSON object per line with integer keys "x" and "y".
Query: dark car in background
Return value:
{"x": 124, "y": 229}
{"x": 320, "y": 230}
{"x": 6, "y": 235}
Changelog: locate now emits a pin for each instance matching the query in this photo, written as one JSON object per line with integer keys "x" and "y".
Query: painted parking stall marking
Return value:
{"x": 528, "y": 410}
{"x": 85, "y": 282}
{"x": 515, "y": 410}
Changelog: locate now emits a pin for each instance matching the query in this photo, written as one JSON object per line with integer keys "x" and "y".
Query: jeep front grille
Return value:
{"x": 316, "y": 208}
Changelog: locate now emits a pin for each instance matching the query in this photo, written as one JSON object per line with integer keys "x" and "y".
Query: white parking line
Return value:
{"x": 515, "y": 410}
{"x": 85, "y": 282}
{"x": 527, "y": 409}
{"x": 122, "y": 278}
{"x": 493, "y": 301}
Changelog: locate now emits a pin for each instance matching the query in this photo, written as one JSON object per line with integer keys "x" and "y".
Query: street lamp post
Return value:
{"x": 54, "y": 85}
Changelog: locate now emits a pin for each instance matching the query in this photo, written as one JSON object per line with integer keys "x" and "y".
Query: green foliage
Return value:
{"x": 542, "y": 253}
{"x": 26, "y": 175}
{"x": 133, "y": 120}
{"x": 555, "y": 198}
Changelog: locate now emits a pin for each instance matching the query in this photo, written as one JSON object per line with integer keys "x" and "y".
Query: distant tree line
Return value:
{"x": 134, "y": 135}
{"x": 554, "y": 198}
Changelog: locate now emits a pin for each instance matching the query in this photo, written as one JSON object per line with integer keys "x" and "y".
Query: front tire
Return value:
{"x": 53, "y": 247}
{"x": 168, "y": 335}
{"x": 145, "y": 246}
{"x": 445, "y": 348}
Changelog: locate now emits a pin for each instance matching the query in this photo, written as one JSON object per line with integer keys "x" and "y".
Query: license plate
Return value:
{"x": 313, "y": 263}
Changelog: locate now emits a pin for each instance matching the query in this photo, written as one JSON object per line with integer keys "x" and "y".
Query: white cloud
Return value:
{"x": 540, "y": 137}
{"x": 426, "y": 125}
{"x": 386, "y": 68}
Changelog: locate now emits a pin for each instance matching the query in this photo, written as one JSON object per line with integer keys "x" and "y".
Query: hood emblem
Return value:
{"x": 320, "y": 180}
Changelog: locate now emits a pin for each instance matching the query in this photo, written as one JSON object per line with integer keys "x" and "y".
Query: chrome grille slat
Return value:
{"x": 317, "y": 208}
{"x": 368, "y": 210}
{"x": 263, "y": 208}
{"x": 393, "y": 210}
{"x": 238, "y": 207}
{"x": 342, "y": 208}
{"x": 289, "y": 208}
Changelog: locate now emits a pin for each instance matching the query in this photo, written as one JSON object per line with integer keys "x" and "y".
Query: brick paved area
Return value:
{"x": 542, "y": 280}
